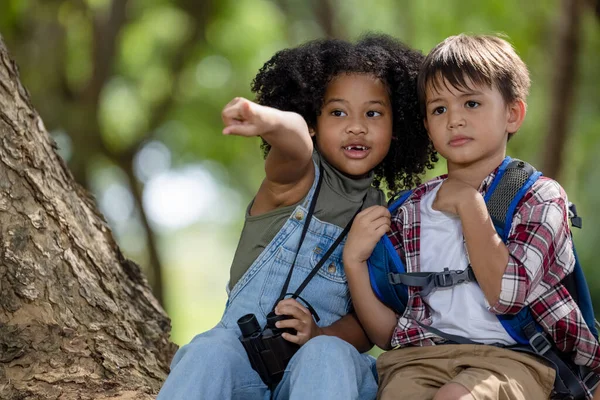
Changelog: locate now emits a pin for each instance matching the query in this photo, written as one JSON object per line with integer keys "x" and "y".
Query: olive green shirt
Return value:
{"x": 338, "y": 200}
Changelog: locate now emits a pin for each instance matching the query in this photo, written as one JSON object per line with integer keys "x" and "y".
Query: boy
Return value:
{"x": 472, "y": 91}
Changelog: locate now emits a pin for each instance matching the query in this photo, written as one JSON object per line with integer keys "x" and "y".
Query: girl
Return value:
{"x": 333, "y": 117}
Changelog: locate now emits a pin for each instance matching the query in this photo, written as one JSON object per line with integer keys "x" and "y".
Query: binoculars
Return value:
{"x": 268, "y": 352}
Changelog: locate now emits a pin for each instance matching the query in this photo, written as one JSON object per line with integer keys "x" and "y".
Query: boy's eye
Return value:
{"x": 338, "y": 113}
{"x": 373, "y": 113}
{"x": 472, "y": 104}
{"x": 438, "y": 110}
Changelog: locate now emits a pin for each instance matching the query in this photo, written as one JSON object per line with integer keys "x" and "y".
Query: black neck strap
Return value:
{"x": 311, "y": 210}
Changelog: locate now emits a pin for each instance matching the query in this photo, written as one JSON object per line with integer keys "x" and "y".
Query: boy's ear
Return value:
{"x": 516, "y": 115}
{"x": 311, "y": 132}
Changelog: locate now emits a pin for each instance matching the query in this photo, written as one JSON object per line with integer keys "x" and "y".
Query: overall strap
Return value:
{"x": 311, "y": 210}
{"x": 315, "y": 187}
{"x": 323, "y": 259}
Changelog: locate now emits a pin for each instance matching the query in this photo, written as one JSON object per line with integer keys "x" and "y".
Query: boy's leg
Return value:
{"x": 489, "y": 372}
{"x": 327, "y": 367}
{"x": 214, "y": 365}
{"x": 411, "y": 373}
{"x": 453, "y": 391}
{"x": 486, "y": 372}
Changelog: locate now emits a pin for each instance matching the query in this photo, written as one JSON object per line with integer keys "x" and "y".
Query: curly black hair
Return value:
{"x": 295, "y": 80}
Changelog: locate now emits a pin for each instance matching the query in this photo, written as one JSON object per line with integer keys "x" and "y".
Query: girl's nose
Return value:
{"x": 356, "y": 127}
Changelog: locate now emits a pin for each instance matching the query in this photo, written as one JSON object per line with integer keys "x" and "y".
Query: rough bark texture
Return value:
{"x": 77, "y": 320}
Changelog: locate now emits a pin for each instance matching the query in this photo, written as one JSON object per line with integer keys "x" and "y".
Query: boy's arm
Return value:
{"x": 539, "y": 246}
{"x": 376, "y": 318}
{"x": 508, "y": 274}
{"x": 487, "y": 253}
{"x": 288, "y": 166}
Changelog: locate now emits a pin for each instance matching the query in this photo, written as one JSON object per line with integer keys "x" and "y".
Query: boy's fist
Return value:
{"x": 452, "y": 194}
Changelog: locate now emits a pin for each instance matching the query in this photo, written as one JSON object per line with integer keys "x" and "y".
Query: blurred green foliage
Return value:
{"x": 110, "y": 77}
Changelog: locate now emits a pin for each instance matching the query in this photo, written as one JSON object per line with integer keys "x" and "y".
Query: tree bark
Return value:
{"x": 563, "y": 85}
{"x": 77, "y": 319}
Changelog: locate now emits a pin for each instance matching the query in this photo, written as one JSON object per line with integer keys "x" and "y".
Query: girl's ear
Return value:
{"x": 516, "y": 114}
{"x": 312, "y": 132}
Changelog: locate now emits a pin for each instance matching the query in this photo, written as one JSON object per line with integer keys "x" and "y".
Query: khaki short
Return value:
{"x": 488, "y": 372}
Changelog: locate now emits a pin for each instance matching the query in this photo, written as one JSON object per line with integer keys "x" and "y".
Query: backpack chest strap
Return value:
{"x": 428, "y": 281}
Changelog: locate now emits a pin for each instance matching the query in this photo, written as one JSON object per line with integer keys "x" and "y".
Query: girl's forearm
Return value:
{"x": 377, "y": 319}
{"x": 349, "y": 329}
{"x": 291, "y": 147}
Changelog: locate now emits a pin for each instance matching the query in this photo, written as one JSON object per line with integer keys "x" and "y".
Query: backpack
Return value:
{"x": 389, "y": 281}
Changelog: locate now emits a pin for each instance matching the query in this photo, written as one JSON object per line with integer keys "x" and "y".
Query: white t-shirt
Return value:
{"x": 462, "y": 309}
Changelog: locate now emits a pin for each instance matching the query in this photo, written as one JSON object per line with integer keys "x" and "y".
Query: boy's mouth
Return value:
{"x": 459, "y": 140}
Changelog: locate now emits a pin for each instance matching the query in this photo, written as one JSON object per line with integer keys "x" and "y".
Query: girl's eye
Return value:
{"x": 338, "y": 113}
{"x": 373, "y": 113}
{"x": 472, "y": 104}
{"x": 438, "y": 110}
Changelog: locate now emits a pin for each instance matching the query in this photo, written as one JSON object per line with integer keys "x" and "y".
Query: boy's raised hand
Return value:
{"x": 243, "y": 117}
{"x": 302, "y": 321}
{"x": 452, "y": 194}
{"x": 368, "y": 227}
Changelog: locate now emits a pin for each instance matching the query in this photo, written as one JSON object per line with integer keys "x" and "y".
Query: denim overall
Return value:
{"x": 214, "y": 365}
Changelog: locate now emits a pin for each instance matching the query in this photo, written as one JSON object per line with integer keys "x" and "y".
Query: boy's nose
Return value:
{"x": 456, "y": 121}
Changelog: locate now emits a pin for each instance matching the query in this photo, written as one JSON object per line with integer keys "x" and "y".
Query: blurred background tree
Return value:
{"x": 132, "y": 90}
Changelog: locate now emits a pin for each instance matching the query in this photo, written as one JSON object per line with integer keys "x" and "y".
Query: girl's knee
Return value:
{"x": 330, "y": 345}
{"x": 453, "y": 391}
{"x": 211, "y": 349}
{"x": 329, "y": 350}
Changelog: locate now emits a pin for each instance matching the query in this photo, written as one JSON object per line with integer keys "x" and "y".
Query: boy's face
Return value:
{"x": 470, "y": 126}
{"x": 354, "y": 129}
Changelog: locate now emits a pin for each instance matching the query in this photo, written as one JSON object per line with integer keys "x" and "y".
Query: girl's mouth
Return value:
{"x": 356, "y": 151}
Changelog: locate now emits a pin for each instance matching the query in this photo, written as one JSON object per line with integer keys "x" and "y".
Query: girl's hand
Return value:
{"x": 302, "y": 321}
{"x": 368, "y": 227}
{"x": 243, "y": 117}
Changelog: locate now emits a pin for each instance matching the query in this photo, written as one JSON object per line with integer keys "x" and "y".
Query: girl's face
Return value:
{"x": 354, "y": 129}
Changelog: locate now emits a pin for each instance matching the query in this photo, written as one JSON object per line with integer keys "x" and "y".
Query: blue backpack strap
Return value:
{"x": 576, "y": 283}
{"x": 513, "y": 179}
{"x": 497, "y": 178}
{"x": 385, "y": 260}
{"x": 580, "y": 291}
{"x": 393, "y": 205}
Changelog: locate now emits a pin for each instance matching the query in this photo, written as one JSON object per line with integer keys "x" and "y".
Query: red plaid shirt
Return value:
{"x": 541, "y": 255}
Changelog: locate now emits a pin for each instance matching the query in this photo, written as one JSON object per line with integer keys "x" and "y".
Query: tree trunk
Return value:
{"x": 563, "y": 85}
{"x": 77, "y": 320}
